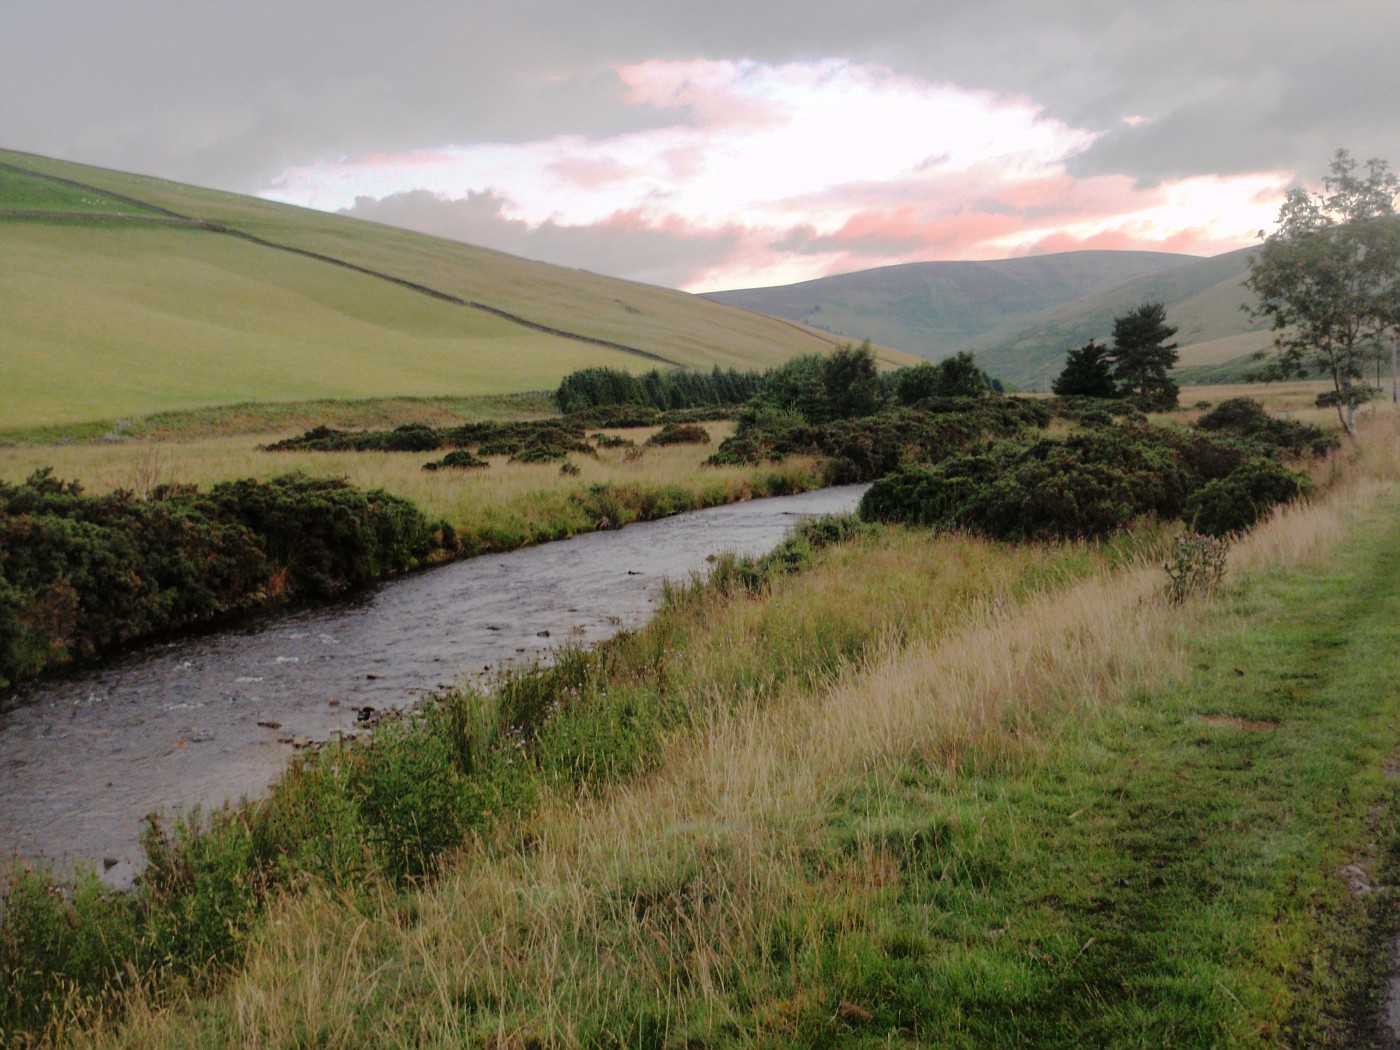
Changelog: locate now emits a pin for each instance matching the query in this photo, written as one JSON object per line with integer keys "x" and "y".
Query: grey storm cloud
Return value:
{"x": 666, "y": 257}
{"x": 231, "y": 93}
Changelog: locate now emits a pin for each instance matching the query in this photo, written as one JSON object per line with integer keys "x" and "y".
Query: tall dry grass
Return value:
{"x": 465, "y": 498}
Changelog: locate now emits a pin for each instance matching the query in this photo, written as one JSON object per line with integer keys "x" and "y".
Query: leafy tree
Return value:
{"x": 916, "y": 383}
{"x": 959, "y": 376}
{"x": 1329, "y": 277}
{"x": 796, "y": 386}
{"x": 1087, "y": 373}
{"x": 1142, "y": 357}
{"x": 851, "y": 382}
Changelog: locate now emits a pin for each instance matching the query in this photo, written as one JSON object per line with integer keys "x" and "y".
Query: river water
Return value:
{"x": 194, "y": 722}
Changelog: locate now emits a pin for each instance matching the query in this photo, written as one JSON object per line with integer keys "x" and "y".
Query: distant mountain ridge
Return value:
{"x": 935, "y": 308}
{"x": 1020, "y": 316}
{"x": 1204, "y": 300}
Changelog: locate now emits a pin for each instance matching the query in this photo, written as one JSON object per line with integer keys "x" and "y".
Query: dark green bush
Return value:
{"x": 458, "y": 459}
{"x": 862, "y": 449}
{"x": 82, "y": 573}
{"x": 680, "y": 434}
{"x": 1246, "y": 419}
{"x": 1087, "y": 485}
{"x": 1231, "y": 504}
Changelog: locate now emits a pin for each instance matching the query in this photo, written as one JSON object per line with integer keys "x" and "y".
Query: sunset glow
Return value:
{"x": 789, "y": 172}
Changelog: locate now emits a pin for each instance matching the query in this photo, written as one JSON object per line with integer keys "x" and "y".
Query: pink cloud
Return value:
{"x": 711, "y": 91}
{"x": 591, "y": 173}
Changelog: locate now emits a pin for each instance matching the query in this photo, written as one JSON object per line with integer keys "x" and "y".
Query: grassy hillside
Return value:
{"x": 135, "y": 294}
{"x": 935, "y": 308}
{"x": 1203, "y": 299}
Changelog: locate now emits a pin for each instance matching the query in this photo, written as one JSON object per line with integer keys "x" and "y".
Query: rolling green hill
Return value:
{"x": 126, "y": 294}
{"x": 1020, "y": 316}
{"x": 1203, "y": 299}
{"x": 936, "y": 308}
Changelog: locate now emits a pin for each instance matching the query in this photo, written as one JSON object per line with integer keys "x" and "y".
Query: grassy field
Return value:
{"x": 931, "y": 791}
{"x": 19, "y": 192}
{"x": 106, "y": 318}
{"x": 108, "y": 322}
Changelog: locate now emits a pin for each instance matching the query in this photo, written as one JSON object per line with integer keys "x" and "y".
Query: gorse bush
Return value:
{"x": 499, "y": 438}
{"x": 680, "y": 434}
{"x": 862, "y": 449}
{"x": 1245, "y": 418}
{"x": 1089, "y": 484}
{"x": 82, "y": 573}
{"x": 457, "y": 459}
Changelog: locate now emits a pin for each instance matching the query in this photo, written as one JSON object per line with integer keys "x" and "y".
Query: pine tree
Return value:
{"x": 1087, "y": 373}
{"x": 1142, "y": 357}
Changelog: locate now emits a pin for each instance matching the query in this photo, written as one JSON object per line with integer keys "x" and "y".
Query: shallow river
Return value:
{"x": 84, "y": 757}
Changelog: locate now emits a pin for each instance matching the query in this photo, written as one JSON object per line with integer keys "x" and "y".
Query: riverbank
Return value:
{"x": 86, "y": 755}
{"x": 886, "y": 797}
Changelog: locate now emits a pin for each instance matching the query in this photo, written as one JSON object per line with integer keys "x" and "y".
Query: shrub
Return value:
{"x": 680, "y": 434}
{"x": 1087, "y": 485}
{"x": 81, "y": 573}
{"x": 1224, "y": 506}
{"x": 1246, "y": 419}
{"x": 458, "y": 459}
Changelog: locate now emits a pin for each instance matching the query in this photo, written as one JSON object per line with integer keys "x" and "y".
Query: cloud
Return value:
{"x": 625, "y": 242}
{"x": 229, "y": 93}
{"x": 761, "y": 142}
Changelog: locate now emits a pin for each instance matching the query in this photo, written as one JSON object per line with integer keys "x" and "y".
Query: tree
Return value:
{"x": 1329, "y": 277}
{"x": 1141, "y": 355}
{"x": 851, "y": 382}
{"x": 959, "y": 376}
{"x": 916, "y": 383}
{"x": 1087, "y": 373}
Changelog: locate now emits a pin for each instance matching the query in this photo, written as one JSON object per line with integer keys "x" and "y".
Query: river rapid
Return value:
{"x": 195, "y": 722}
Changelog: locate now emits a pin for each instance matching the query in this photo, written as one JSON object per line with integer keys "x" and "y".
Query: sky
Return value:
{"x": 724, "y": 144}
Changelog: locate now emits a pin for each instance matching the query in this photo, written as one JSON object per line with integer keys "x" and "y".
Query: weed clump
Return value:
{"x": 1195, "y": 566}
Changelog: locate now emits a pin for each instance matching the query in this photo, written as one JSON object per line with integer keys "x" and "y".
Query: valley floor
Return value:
{"x": 933, "y": 792}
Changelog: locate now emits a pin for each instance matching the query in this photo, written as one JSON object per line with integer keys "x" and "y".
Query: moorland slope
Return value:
{"x": 129, "y": 294}
{"x": 1020, "y": 316}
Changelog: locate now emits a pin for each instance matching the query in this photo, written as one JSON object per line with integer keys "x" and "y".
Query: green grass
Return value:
{"x": 109, "y": 322}
{"x": 109, "y": 318}
{"x": 267, "y": 417}
{"x": 21, "y": 192}
{"x": 1167, "y": 875}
